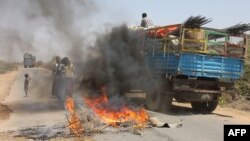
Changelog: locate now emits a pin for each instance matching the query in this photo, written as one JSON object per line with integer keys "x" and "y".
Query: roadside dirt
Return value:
{"x": 5, "y": 83}
{"x": 4, "y": 112}
{"x": 238, "y": 114}
{"x": 224, "y": 112}
{"x": 239, "y": 102}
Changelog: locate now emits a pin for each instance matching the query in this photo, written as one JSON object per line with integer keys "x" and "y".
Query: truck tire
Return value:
{"x": 154, "y": 101}
{"x": 160, "y": 100}
{"x": 207, "y": 107}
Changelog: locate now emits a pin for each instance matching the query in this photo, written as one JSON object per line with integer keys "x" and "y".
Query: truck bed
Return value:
{"x": 196, "y": 65}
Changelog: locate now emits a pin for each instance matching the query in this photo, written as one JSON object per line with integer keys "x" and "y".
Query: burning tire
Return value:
{"x": 204, "y": 106}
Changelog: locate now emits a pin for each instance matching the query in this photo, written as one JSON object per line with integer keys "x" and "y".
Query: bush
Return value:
{"x": 243, "y": 85}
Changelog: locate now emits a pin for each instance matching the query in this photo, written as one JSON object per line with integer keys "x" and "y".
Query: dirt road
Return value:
{"x": 6, "y": 81}
{"x": 40, "y": 109}
{"x": 36, "y": 109}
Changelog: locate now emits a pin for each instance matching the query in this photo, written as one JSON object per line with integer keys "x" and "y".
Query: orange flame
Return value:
{"x": 112, "y": 117}
{"x": 74, "y": 122}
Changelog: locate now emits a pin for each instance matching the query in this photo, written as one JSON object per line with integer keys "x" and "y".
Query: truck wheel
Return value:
{"x": 154, "y": 101}
{"x": 160, "y": 100}
{"x": 204, "y": 106}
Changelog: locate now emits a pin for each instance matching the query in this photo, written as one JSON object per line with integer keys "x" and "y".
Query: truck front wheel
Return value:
{"x": 160, "y": 100}
{"x": 154, "y": 101}
{"x": 204, "y": 106}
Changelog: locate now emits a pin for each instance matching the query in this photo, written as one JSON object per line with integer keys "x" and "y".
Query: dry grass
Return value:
{"x": 6, "y": 67}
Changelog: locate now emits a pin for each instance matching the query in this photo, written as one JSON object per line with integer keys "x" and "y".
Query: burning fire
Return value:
{"x": 74, "y": 122}
{"x": 114, "y": 116}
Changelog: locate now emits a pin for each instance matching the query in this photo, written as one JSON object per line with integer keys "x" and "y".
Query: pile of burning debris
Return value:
{"x": 97, "y": 116}
{"x": 101, "y": 114}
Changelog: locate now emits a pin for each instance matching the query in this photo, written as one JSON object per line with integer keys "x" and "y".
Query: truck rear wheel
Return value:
{"x": 204, "y": 106}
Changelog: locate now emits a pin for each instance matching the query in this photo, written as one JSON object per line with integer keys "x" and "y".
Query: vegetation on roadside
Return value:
{"x": 243, "y": 85}
{"x": 240, "y": 98}
{"x": 224, "y": 99}
{"x": 48, "y": 65}
{"x": 6, "y": 67}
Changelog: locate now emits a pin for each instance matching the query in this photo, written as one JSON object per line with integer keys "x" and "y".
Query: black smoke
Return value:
{"x": 117, "y": 62}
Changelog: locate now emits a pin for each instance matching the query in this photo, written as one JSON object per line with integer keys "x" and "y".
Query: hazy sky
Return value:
{"x": 53, "y": 27}
{"x": 223, "y": 12}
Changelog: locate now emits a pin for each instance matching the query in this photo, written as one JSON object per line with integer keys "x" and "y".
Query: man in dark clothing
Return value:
{"x": 26, "y": 83}
{"x": 68, "y": 72}
{"x": 145, "y": 22}
{"x": 55, "y": 77}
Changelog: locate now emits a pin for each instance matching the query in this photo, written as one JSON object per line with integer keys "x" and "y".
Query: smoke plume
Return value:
{"x": 44, "y": 28}
{"x": 117, "y": 62}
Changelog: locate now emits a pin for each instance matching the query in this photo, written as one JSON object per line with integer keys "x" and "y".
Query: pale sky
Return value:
{"x": 163, "y": 12}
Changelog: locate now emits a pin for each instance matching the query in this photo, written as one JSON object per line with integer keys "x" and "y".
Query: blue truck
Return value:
{"x": 192, "y": 64}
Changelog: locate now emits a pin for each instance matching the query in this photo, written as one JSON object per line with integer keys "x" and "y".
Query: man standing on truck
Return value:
{"x": 146, "y": 22}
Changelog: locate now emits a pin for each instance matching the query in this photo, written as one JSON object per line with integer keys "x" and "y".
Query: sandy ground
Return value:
{"x": 229, "y": 112}
{"x": 6, "y": 81}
